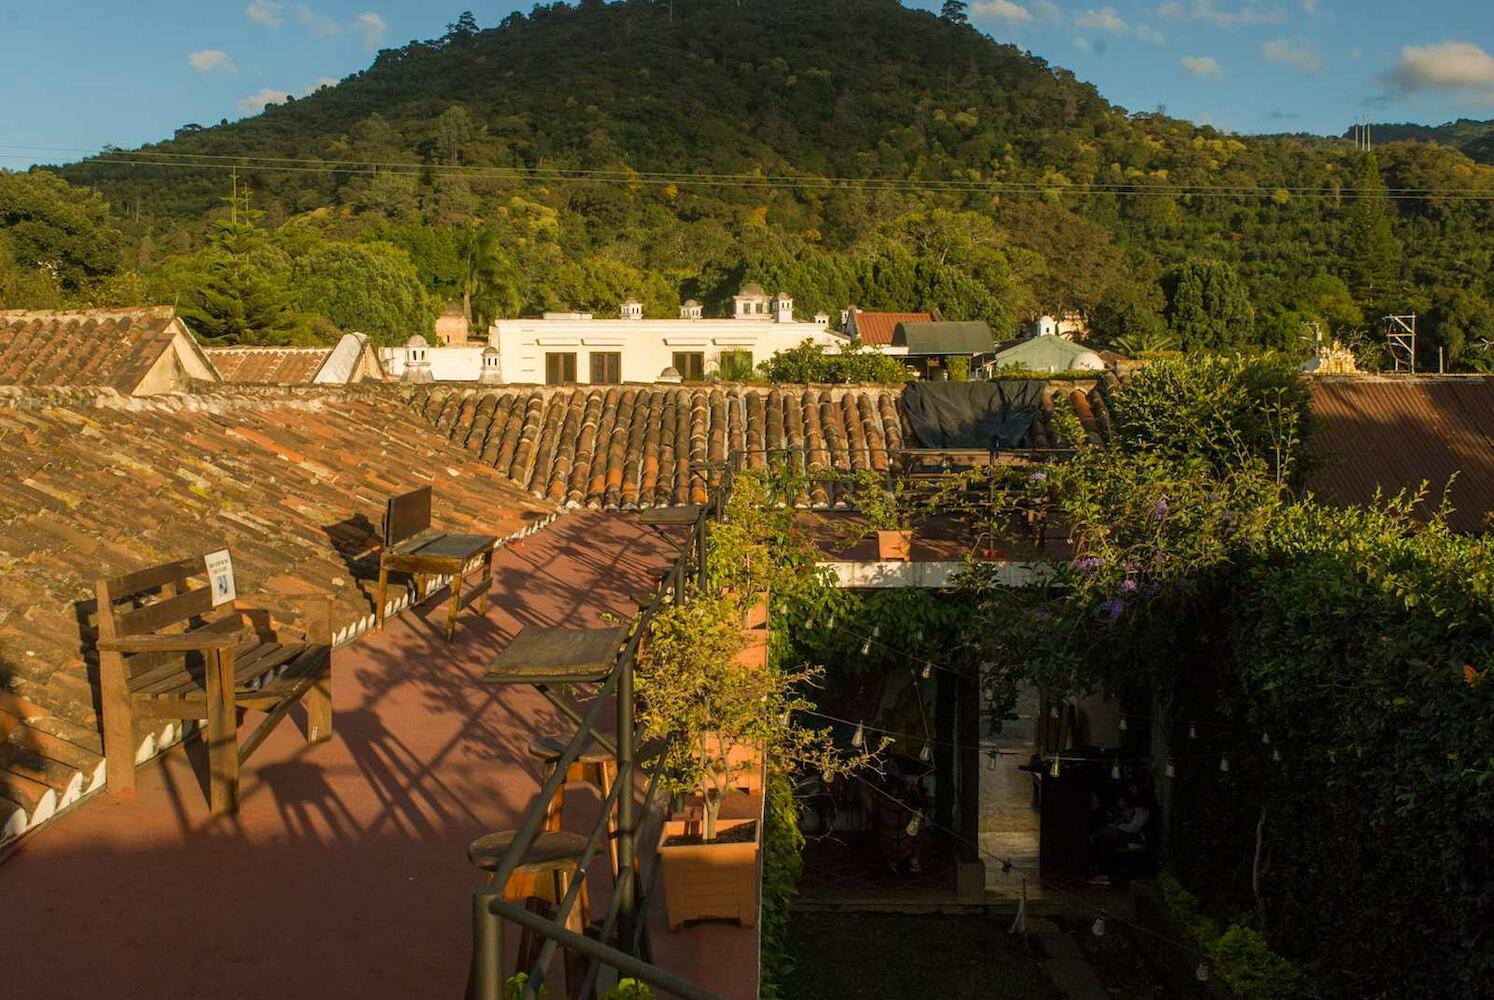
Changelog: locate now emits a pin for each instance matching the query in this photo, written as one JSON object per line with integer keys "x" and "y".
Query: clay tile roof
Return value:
{"x": 877, "y": 328}
{"x": 93, "y": 347}
{"x": 626, "y": 447}
{"x": 1393, "y": 433}
{"x": 293, "y": 481}
{"x": 269, "y": 365}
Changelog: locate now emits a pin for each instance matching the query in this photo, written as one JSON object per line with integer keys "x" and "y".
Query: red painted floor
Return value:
{"x": 344, "y": 872}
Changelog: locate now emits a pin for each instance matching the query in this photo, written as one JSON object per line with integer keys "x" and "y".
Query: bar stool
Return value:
{"x": 539, "y": 882}
{"x": 594, "y": 764}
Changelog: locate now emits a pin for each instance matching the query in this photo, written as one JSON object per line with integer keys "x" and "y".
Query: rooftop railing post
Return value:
{"x": 627, "y": 805}
{"x": 700, "y": 551}
{"x": 487, "y": 946}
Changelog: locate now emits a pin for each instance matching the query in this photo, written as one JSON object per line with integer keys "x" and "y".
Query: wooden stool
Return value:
{"x": 593, "y": 764}
{"x": 539, "y": 882}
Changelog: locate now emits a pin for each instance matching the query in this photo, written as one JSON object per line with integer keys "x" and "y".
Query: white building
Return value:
{"x": 562, "y": 348}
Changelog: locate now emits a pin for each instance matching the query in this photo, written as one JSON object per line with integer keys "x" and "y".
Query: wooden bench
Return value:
{"x": 412, "y": 546}
{"x": 176, "y": 642}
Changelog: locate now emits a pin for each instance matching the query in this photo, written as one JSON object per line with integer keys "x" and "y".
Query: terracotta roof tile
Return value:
{"x": 269, "y": 365}
{"x": 1393, "y": 433}
{"x": 93, "y": 483}
{"x": 624, "y": 447}
{"x": 877, "y": 328}
{"x": 99, "y": 347}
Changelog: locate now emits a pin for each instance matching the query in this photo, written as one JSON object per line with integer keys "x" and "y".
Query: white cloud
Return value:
{"x": 326, "y": 81}
{"x": 1201, "y": 66}
{"x": 372, "y": 27}
{"x": 1298, "y": 55}
{"x": 256, "y": 102}
{"x": 1104, "y": 19}
{"x": 210, "y": 59}
{"x": 265, "y": 12}
{"x": 319, "y": 25}
{"x": 1448, "y": 66}
{"x": 1206, "y": 11}
{"x": 1082, "y": 44}
{"x": 1151, "y": 35}
{"x": 1043, "y": 10}
{"x": 1000, "y": 10}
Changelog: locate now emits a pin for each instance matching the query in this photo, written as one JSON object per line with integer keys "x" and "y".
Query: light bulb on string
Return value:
{"x": 1115, "y": 772}
{"x": 866, "y": 648}
{"x": 1053, "y": 711}
{"x": 1276, "y": 755}
{"x": 827, "y": 777}
{"x": 1172, "y": 771}
{"x": 809, "y": 624}
{"x": 1224, "y": 765}
{"x": 858, "y": 739}
{"x": 1054, "y": 769}
{"x": 876, "y": 631}
{"x": 1098, "y": 927}
{"x": 831, "y": 624}
{"x": 1202, "y": 972}
{"x": 913, "y": 826}
{"x": 1192, "y": 731}
{"x": 928, "y": 670}
{"x": 918, "y": 636}
{"x": 1266, "y": 739}
{"x": 927, "y": 753}
{"x": 1123, "y": 725}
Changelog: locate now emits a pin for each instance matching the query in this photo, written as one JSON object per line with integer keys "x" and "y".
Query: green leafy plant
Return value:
{"x": 886, "y": 503}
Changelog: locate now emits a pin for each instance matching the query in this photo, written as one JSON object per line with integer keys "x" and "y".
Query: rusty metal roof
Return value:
{"x": 1392, "y": 433}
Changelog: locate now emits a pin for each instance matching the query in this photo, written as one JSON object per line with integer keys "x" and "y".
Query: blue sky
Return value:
{"x": 77, "y": 74}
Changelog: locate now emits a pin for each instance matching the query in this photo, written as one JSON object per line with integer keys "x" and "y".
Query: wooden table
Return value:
{"x": 411, "y": 545}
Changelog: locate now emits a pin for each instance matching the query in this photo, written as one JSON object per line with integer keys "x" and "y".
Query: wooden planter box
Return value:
{"x": 755, "y": 616}
{"x": 715, "y": 880}
{"x": 894, "y": 545}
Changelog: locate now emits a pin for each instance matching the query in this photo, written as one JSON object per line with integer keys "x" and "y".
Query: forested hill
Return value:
{"x": 1475, "y": 138}
{"x": 844, "y": 150}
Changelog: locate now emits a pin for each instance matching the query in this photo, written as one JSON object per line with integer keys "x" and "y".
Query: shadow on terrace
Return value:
{"x": 344, "y": 871}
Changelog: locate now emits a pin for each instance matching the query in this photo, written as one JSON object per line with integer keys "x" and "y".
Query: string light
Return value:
{"x": 858, "y": 740}
{"x": 827, "y": 777}
{"x": 1054, "y": 769}
{"x": 928, "y": 671}
{"x": 1115, "y": 772}
{"x": 1202, "y": 972}
{"x": 927, "y": 753}
{"x": 1224, "y": 765}
{"x": 913, "y": 825}
{"x": 1266, "y": 738}
{"x": 1098, "y": 927}
{"x": 866, "y": 648}
{"x": 876, "y": 632}
{"x": 1276, "y": 755}
{"x": 1123, "y": 726}
{"x": 1192, "y": 731}
{"x": 918, "y": 636}
{"x": 1172, "y": 772}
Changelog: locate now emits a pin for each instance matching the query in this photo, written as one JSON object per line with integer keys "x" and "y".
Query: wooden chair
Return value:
{"x": 169, "y": 647}
{"x": 412, "y": 546}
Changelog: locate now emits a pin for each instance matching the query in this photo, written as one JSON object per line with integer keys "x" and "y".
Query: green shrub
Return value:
{"x": 782, "y": 865}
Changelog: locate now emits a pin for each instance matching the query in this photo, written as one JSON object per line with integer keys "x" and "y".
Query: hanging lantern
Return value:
{"x": 927, "y": 753}
{"x": 1098, "y": 927}
{"x": 858, "y": 740}
{"x": 913, "y": 825}
{"x": 1172, "y": 772}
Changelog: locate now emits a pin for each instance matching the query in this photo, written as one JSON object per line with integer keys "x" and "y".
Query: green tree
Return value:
{"x": 488, "y": 281}
{"x": 65, "y": 231}
{"x": 955, "y": 12}
{"x": 1460, "y": 319}
{"x": 1130, "y": 312}
{"x": 237, "y": 292}
{"x": 1372, "y": 250}
{"x": 1208, "y": 307}
{"x": 368, "y": 287}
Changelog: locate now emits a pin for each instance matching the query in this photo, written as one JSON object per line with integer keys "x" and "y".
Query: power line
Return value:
{"x": 208, "y": 161}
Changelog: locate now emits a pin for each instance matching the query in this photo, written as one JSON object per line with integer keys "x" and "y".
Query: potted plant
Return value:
{"x": 890, "y": 510}
{"x": 721, "y": 721}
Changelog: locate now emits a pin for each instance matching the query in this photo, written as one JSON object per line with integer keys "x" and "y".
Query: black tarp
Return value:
{"x": 972, "y": 414}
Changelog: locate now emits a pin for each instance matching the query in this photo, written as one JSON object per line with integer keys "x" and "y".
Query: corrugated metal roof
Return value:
{"x": 877, "y": 328}
{"x": 1393, "y": 433}
{"x": 971, "y": 337}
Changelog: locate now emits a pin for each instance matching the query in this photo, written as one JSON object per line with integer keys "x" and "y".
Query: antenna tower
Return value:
{"x": 1400, "y": 340}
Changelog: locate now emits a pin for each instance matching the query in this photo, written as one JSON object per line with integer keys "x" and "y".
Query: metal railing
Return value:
{"x": 620, "y": 943}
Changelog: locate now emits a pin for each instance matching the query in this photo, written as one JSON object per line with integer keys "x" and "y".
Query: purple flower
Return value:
{"x": 1128, "y": 586}
{"x": 1130, "y": 566}
{"x": 1088, "y": 564}
{"x": 1112, "y": 608}
{"x": 1159, "y": 509}
{"x": 1153, "y": 589}
{"x": 1038, "y": 477}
